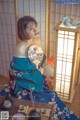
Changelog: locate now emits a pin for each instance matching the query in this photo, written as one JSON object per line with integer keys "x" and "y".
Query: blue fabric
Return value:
{"x": 60, "y": 111}
{"x": 26, "y": 74}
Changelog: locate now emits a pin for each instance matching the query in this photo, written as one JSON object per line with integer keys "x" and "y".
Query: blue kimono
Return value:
{"x": 24, "y": 72}
{"x": 26, "y": 78}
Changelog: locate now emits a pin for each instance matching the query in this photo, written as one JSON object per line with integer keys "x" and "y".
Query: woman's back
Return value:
{"x": 23, "y": 45}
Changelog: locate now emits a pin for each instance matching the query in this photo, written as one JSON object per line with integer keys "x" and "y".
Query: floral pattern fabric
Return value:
{"x": 60, "y": 111}
{"x": 24, "y": 73}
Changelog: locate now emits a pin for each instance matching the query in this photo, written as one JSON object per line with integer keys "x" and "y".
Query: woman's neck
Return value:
{"x": 30, "y": 41}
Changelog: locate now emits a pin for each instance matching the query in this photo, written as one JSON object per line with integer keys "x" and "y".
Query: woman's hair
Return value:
{"x": 22, "y": 24}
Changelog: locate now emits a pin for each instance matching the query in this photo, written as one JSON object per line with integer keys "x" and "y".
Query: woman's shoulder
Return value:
{"x": 21, "y": 43}
{"x": 21, "y": 48}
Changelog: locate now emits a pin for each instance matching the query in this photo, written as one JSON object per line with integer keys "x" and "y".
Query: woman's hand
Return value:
{"x": 41, "y": 69}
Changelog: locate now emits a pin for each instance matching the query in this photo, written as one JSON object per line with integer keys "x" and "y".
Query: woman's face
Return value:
{"x": 31, "y": 30}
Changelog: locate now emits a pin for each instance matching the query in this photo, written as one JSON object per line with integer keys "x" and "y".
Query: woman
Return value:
{"x": 21, "y": 69}
{"x": 28, "y": 81}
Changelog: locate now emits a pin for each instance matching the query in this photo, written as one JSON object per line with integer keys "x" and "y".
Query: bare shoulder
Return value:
{"x": 22, "y": 43}
{"x": 21, "y": 48}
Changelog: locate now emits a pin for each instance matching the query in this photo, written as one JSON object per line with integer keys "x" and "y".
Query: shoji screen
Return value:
{"x": 57, "y": 11}
{"x": 7, "y": 34}
{"x": 10, "y": 11}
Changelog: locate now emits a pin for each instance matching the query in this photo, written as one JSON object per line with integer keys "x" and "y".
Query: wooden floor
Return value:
{"x": 3, "y": 80}
{"x": 74, "y": 106}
